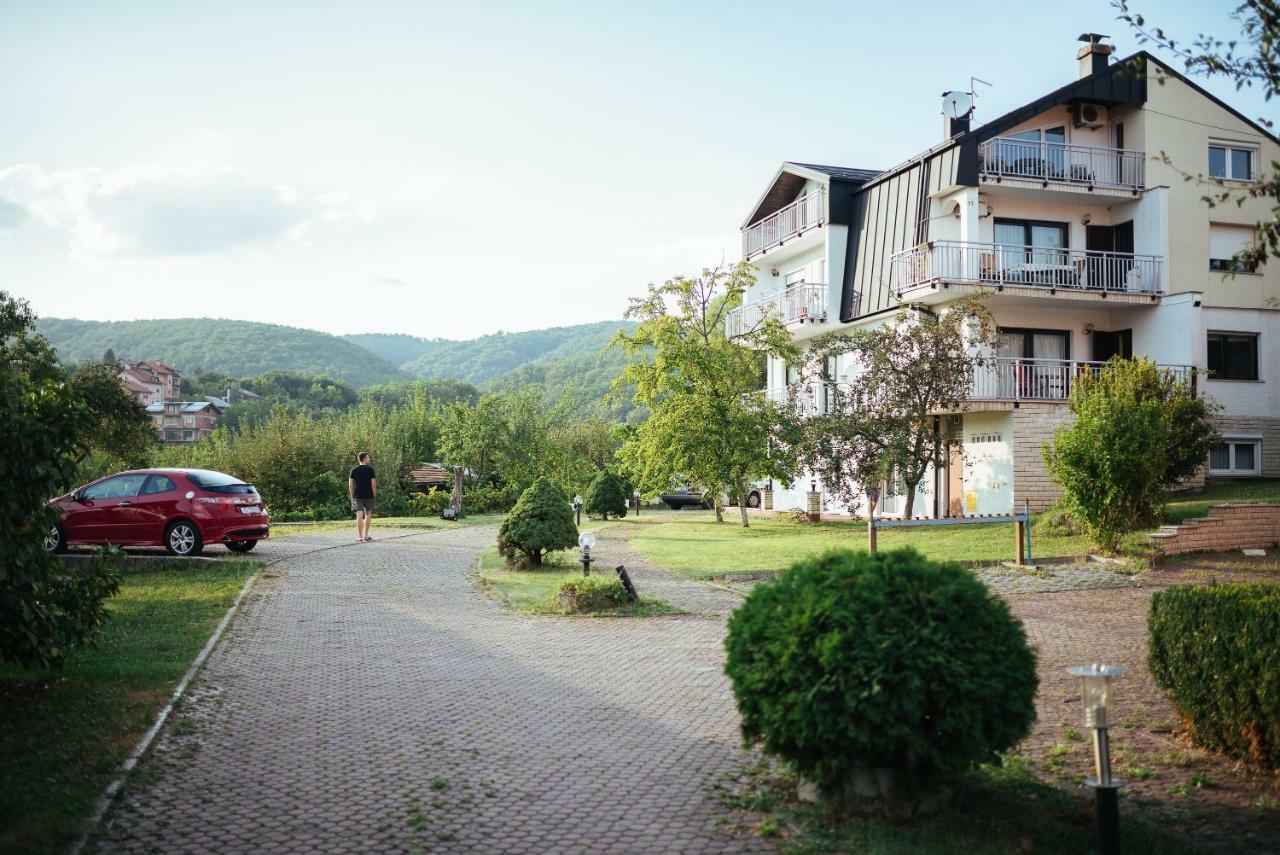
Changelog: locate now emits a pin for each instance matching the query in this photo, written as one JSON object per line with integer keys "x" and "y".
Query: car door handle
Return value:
{"x": 122, "y": 504}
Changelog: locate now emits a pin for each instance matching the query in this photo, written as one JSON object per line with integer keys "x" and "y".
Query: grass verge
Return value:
{"x": 63, "y": 735}
{"x": 692, "y": 543}
{"x": 534, "y": 591}
{"x": 428, "y": 523}
{"x": 995, "y": 810}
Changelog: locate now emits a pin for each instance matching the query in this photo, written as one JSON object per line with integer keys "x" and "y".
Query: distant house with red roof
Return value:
{"x": 150, "y": 381}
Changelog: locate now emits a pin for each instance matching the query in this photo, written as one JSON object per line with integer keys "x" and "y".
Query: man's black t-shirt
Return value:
{"x": 363, "y": 476}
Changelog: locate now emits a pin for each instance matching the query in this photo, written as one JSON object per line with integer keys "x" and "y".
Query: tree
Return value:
{"x": 1137, "y": 432}
{"x": 45, "y": 609}
{"x": 606, "y": 495}
{"x": 109, "y": 357}
{"x": 541, "y": 522}
{"x": 707, "y": 421}
{"x": 1253, "y": 60}
{"x": 121, "y": 430}
{"x": 905, "y": 372}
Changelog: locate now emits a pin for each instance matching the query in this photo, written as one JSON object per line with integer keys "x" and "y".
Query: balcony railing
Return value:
{"x": 1026, "y": 266}
{"x": 798, "y": 304}
{"x": 1084, "y": 165}
{"x": 808, "y": 211}
{"x": 1019, "y": 379}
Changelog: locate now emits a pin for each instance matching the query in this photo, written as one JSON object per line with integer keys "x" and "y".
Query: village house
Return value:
{"x": 1089, "y": 244}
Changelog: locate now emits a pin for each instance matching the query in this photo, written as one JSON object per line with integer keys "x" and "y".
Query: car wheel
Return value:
{"x": 55, "y": 540}
{"x": 183, "y": 538}
{"x": 242, "y": 546}
{"x": 753, "y": 499}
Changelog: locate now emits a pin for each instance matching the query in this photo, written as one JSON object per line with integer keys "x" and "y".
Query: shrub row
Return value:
{"x": 591, "y": 594}
{"x": 1216, "y": 650}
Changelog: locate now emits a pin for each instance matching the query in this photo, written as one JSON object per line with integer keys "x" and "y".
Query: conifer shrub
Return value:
{"x": 1215, "y": 649}
{"x": 541, "y": 522}
{"x": 606, "y": 495}
{"x": 850, "y": 661}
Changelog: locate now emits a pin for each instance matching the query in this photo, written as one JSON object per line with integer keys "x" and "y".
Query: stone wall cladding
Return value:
{"x": 1033, "y": 426}
{"x": 1227, "y": 527}
{"x": 1266, "y": 427}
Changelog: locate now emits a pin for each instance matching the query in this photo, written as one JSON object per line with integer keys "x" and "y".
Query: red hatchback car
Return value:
{"x": 179, "y": 509}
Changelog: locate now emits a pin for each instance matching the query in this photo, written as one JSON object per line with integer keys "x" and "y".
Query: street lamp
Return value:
{"x": 586, "y": 540}
{"x": 637, "y": 495}
{"x": 577, "y": 507}
{"x": 1096, "y": 691}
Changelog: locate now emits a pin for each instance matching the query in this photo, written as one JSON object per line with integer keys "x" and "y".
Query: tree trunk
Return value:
{"x": 742, "y": 506}
{"x": 911, "y": 499}
{"x": 719, "y": 510}
{"x": 535, "y": 558}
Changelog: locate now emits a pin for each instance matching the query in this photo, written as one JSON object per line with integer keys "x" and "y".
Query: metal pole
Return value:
{"x": 1106, "y": 795}
{"x": 578, "y": 510}
{"x": 586, "y": 564}
{"x": 1026, "y": 510}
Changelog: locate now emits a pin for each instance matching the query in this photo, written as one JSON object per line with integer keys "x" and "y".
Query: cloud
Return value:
{"x": 170, "y": 210}
{"x": 390, "y": 282}
{"x": 12, "y": 214}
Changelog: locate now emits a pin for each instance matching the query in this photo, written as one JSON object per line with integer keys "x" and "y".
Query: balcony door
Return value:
{"x": 1109, "y": 272}
{"x": 1038, "y": 363}
{"x": 1032, "y": 251}
{"x": 1039, "y": 153}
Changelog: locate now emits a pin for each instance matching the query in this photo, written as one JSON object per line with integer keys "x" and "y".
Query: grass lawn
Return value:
{"x": 994, "y": 810}
{"x": 62, "y": 735}
{"x": 288, "y": 529}
{"x": 693, "y": 543}
{"x": 534, "y": 591}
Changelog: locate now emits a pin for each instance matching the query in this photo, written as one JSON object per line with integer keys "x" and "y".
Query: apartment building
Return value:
{"x": 149, "y": 381}
{"x": 1073, "y": 216}
{"x": 184, "y": 422}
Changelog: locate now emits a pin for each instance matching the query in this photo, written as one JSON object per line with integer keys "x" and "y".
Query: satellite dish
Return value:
{"x": 956, "y": 105}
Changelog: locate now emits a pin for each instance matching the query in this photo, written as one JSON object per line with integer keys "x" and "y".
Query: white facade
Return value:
{"x": 1086, "y": 244}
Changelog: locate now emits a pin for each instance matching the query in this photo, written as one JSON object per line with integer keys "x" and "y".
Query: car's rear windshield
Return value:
{"x": 216, "y": 482}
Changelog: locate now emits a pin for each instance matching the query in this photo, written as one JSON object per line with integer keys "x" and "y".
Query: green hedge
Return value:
{"x": 849, "y": 661}
{"x": 1216, "y": 650}
{"x": 593, "y": 593}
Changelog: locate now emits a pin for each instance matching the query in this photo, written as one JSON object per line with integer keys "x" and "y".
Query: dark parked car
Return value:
{"x": 179, "y": 509}
{"x": 685, "y": 497}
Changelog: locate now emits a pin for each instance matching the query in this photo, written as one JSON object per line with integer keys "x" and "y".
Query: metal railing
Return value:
{"x": 805, "y": 303}
{"x": 1021, "y": 379}
{"x": 1033, "y": 266}
{"x": 1085, "y": 165}
{"x": 808, "y": 398}
{"x": 804, "y": 213}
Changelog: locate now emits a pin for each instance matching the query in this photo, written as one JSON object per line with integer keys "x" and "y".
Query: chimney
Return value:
{"x": 1094, "y": 56}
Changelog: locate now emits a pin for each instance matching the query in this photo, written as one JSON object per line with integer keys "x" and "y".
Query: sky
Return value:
{"x": 455, "y": 169}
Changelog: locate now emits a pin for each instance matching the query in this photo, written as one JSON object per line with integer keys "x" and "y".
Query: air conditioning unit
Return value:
{"x": 1088, "y": 115}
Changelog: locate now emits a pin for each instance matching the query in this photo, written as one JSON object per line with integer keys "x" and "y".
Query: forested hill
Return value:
{"x": 237, "y": 348}
{"x": 491, "y": 357}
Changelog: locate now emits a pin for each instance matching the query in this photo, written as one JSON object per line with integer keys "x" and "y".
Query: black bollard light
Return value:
{"x": 637, "y": 503}
{"x": 1096, "y": 689}
{"x": 577, "y": 508}
{"x": 586, "y": 540}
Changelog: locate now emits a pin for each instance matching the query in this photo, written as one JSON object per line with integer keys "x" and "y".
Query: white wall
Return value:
{"x": 1244, "y": 397}
{"x": 988, "y": 465}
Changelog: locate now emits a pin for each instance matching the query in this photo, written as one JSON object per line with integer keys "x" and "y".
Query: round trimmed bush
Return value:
{"x": 1215, "y": 649}
{"x": 606, "y": 495}
{"x": 541, "y": 522}
{"x": 850, "y": 662}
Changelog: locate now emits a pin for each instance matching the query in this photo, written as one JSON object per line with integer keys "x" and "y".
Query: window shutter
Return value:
{"x": 1228, "y": 241}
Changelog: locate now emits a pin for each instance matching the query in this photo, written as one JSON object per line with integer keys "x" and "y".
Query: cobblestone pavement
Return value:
{"x": 653, "y": 581}
{"x": 369, "y": 698}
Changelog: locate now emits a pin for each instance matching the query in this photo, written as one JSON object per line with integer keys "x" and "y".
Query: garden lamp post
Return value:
{"x": 577, "y": 507}
{"x": 637, "y": 495}
{"x": 586, "y": 540}
{"x": 1096, "y": 691}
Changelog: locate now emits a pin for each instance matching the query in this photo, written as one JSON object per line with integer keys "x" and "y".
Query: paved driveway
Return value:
{"x": 370, "y": 698}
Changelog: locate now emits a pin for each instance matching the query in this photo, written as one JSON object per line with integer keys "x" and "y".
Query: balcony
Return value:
{"x": 1035, "y": 267}
{"x": 1081, "y": 166}
{"x": 807, "y": 212}
{"x": 798, "y": 304}
{"x": 1018, "y": 379}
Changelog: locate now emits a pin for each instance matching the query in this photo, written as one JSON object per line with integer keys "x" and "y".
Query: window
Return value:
{"x": 120, "y": 487}
{"x": 1235, "y": 456}
{"x": 1232, "y": 162}
{"x": 1225, "y": 243}
{"x": 1233, "y": 356}
{"x": 158, "y": 484}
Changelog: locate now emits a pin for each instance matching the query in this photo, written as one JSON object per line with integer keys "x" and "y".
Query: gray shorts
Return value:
{"x": 365, "y": 505}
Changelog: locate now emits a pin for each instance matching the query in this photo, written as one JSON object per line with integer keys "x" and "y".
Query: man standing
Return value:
{"x": 362, "y": 486}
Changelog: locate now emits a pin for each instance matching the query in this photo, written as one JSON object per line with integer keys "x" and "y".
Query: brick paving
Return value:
{"x": 369, "y": 698}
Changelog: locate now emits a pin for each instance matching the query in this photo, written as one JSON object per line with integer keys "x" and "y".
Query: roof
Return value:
{"x": 186, "y": 406}
{"x": 429, "y": 473}
{"x": 846, "y": 173}
{"x": 134, "y": 386}
{"x": 789, "y": 180}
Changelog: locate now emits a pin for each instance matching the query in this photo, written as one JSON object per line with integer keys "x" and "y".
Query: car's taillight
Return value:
{"x": 227, "y": 500}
